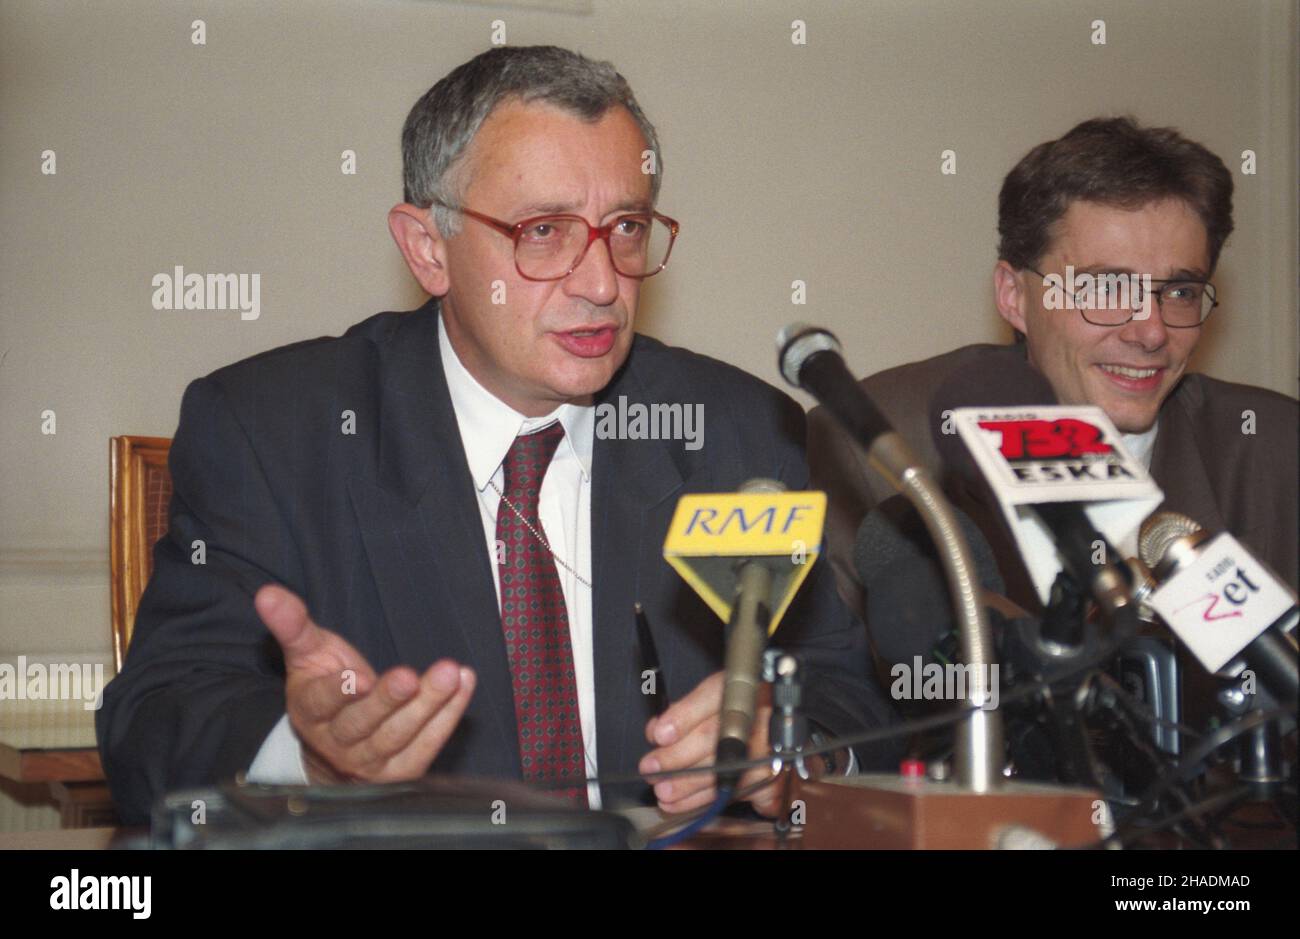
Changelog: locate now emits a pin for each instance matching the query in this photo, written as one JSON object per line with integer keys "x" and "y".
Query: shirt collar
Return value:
{"x": 496, "y": 425}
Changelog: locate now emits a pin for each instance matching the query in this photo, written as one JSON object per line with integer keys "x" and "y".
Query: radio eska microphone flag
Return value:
{"x": 711, "y": 533}
{"x": 1058, "y": 453}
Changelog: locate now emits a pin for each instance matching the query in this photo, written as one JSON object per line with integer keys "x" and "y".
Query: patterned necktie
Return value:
{"x": 536, "y": 623}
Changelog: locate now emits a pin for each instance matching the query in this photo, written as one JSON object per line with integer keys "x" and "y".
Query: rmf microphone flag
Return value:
{"x": 712, "y": 533}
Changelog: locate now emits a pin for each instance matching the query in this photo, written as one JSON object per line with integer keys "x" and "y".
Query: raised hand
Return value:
{"x": 353, "y": 724}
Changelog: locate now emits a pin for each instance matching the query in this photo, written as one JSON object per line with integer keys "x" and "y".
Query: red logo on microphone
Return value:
{"x": 1065, "y": 439}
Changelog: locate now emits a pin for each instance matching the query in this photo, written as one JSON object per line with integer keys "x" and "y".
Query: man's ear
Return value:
{"x": 423, "y": 247}
{"x": 1010, "y": 293}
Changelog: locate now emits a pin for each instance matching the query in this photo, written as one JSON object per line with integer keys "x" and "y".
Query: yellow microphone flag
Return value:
{"x": 712, "y": 533}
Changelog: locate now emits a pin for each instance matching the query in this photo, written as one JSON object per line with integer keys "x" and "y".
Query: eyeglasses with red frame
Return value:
{"x": 550, "y": 247}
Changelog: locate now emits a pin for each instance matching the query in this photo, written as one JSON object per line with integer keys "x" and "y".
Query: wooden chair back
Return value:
{"x": 140, "y": 493}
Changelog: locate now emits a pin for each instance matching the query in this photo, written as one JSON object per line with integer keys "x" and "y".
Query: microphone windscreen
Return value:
{"x": 908, "y": 604}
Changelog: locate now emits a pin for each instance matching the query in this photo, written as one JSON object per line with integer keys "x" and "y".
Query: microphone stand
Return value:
{"x": 1259, "y": 757}
{"x": 810, "y": 358}
{"x": 1063, "y": 634}
{"x": 788, "y": 730}
{"x": 978, "y": 748}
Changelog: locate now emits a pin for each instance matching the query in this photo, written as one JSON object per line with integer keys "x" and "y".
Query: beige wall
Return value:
{"x": 818, "y": 162}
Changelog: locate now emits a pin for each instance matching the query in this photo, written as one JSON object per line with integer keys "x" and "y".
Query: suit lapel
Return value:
{"x": 424, "y": 535}
{"x": 1178, "y": 468}
{"x": 631, "y": 479}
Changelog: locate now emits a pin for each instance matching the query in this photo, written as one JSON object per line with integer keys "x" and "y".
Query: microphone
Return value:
{"x": 1039, "y": 451}
{"x": 748, "y": 638}
{"x": 904, "y": 581}
{"x": 746, "y": 554}
{"x": 904, "y": 588}
{"x": 1226, "y": 606}
{"x": 810, "y": 358}
{"x": 912, "y": 625}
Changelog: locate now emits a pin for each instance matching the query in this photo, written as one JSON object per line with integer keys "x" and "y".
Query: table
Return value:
{"x": 54, "y": 742}
{"x": 79, "y": 839}
{"x": 726, "y": 834}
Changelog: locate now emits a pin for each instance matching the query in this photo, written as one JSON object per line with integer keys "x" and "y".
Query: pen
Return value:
{"x": 650, "y": 661}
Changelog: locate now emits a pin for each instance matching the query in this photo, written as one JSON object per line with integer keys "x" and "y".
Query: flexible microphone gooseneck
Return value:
{"x": 810, "y": 358}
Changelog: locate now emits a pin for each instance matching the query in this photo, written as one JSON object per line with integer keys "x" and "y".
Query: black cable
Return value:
{"x": 1218, "y": 800}
{"x": 1186, "y": 768}
{"x": 740, "y": 766}
{"x": 902, "y": 729}
{"x": 1191, "y": 764}
{"x": 1141, "y": 709}
{"x": 1125, "y": 711}
{"x": 1183, "y": 770}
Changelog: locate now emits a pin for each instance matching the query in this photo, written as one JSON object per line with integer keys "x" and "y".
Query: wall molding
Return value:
{"x": 555, "y": 6}
{"x": 46, "y": 566}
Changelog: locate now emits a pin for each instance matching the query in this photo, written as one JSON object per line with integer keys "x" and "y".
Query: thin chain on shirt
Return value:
{"x": 538, "y": 535}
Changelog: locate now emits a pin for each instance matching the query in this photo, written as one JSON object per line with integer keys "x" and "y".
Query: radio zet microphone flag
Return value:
{"x": 1058, "y": 453}
{"x": 1221, "y": 602}
{"x": 711, "y": 532}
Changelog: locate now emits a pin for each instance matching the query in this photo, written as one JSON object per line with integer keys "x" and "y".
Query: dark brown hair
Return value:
{"x": 1115, "y": 162}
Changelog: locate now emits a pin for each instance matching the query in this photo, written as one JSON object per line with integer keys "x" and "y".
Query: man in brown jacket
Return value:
{"x": 1108, "y": 198}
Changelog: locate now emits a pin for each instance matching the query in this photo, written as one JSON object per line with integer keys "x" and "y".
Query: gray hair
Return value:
{"x": 446, "y": 118}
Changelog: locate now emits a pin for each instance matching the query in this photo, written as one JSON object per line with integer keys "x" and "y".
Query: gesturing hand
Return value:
{"x": 354, "y": 725}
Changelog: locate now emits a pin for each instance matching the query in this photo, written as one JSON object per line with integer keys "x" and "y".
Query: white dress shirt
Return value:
{"x": 487, "y": 429}
{"x": 1141, "y": 446}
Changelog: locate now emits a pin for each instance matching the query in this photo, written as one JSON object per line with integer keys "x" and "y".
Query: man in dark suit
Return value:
{"x": 411, "y": 549}
{"x": 1109, "y": 197}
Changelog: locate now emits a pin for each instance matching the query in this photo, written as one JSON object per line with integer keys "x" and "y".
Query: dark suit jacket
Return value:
{"x": 380, "y": 532}
{"x": 1209, "y": 469}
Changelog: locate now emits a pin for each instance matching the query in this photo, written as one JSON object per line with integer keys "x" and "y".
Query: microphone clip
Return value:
{"x": 787, "y": 730}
